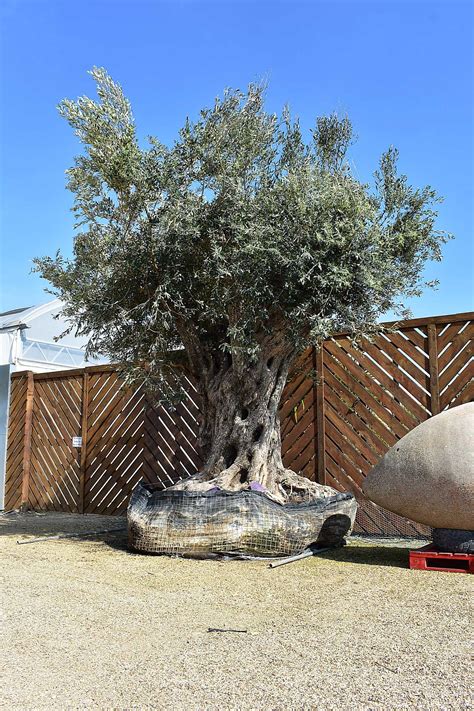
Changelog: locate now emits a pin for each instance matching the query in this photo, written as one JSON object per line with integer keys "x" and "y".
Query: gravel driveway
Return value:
{"x": 88, "y": 625}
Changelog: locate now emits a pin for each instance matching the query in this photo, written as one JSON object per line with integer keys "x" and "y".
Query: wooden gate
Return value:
{"x": 335, "y": 426}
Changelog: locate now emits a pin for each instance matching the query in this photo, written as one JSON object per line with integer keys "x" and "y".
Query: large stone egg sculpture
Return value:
{"x": 428, "y": 476}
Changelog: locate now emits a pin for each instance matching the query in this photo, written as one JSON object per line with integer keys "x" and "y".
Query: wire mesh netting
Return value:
{"x": 373, "y": 520}
{"x": 245, "y": 523}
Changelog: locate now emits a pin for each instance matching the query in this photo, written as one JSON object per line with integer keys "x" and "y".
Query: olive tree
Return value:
{"x": 226, "y": 254}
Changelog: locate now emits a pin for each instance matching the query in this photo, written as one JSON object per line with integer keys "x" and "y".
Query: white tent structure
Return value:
{"x": 27, "y": 342}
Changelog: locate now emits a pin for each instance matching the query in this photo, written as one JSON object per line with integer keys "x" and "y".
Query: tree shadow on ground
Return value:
{"x": 119, "y": 542}
{"x": 390, "y": 556}
{"x": 380, "y": 555}
{"x": 32, "y": 524}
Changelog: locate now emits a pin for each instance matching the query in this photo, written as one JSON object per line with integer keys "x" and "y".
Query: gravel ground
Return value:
{"x": 88, "y": 625}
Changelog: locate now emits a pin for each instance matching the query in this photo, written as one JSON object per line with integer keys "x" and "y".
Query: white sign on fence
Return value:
{"x": 77, "y": 441}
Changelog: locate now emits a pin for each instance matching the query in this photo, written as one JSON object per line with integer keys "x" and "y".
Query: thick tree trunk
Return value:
{"x": 240, "y": 432}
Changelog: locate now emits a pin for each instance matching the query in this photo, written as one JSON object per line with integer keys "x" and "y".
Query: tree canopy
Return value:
{"x": 242, "y": 228}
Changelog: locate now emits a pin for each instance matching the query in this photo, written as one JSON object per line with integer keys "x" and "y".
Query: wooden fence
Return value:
{"x": 334, "y": 427}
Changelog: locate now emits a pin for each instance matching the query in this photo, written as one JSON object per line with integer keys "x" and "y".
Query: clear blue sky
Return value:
{"x": 403, "y": 71}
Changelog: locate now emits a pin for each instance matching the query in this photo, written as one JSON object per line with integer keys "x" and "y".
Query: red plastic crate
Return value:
{"x": 429, "y": 558}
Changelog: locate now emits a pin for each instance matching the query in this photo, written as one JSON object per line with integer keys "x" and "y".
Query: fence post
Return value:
{"x": 318, "y": 365}
{"x": 433, "y": 364}
{"x": 25, "y": 482}
{"x": 84, "y": 430}
{"x": 5, "y": 402}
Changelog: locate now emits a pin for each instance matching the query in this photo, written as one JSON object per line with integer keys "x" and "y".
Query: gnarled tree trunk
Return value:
{"x": 240, "y": 431}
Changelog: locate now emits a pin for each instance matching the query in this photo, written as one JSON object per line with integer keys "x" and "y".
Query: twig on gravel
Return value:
{"x": 82, "y": 534}
{"x": 394, "y": 671}
{"x": 218, "y": 629}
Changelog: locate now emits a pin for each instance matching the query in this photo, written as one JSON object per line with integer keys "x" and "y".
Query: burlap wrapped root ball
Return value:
{"x": 245, "y": 523}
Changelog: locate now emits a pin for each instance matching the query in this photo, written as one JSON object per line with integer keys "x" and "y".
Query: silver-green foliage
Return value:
{"x": 240, "y": 228}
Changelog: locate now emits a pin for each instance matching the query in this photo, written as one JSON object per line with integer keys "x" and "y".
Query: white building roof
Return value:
{"x": 29, "y": 340}
{"x": 9, "y": 319}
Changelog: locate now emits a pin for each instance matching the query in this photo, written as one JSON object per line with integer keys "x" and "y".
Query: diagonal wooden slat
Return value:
{"x": 456, "y": 343}
{"x": 391, "y": 379}
{"x": 356, "y": 416}
{"x": 461, "y": 389}
{"x": 14, "y": 460}
{"x": 54, "y": 473}
{"x": 446, "y": 333}
{"x": 363, "y": 388}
